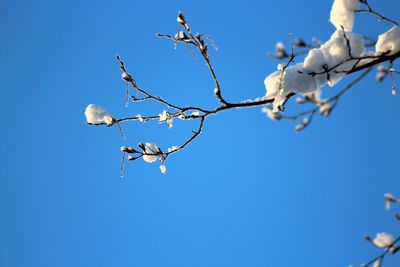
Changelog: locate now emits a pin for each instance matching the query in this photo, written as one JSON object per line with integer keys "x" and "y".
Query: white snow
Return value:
{"x": 165, "y": 116}
{"x": 325, "y": 109}
{"x": 151, "y": 149}
{"x": 173, "y": 148}
{"x": 383, "y": 240}
{"x": 163, "y": 168}
{"x": 333, "y": 52}
{"x": 127, "y": 77}
{"x": 297, "y": 78}
{"x": 271, "y": 114}
{"x": 389, "y": 41}
{"x": 342, "y": 14}
{"x": 97, "y": 115}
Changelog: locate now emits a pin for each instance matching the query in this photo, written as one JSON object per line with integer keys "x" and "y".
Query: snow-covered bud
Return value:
{"x": 96, "y": 115}
{"x": 281, "y": 51}
{"x": 382, "y": 68}
{"x": 163, "y": 168}
{"x": 389, "y": 199}
{"x": 276, "y": 116}
{"x": 380, "y": 76}
{"x": 195, "y": 114}
{"x": 316, "y": 41}
{"x": 382, "y": 72}
{"x": 302, "y": 125}
{"x": 181, "y": 36}
{"x": 205, "y": 49}
{"x": 280, "y": 47}
{"x": 128, "y": 149}
{"x": 172, "y": 149}
{"x": 300, "y": 101}
{"x": 126, "y": 76}
{"x": 377, "y": 263}
{"x": 166, "y": 117}
{"x": 383, "y": 240}
{"x": 325, "y": 109}
{"x": 181, "y": 20}
{"x": 202, "y": 45}
{"x": 300, "y": 43}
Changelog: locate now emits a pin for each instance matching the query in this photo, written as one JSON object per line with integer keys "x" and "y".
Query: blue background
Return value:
{"x": 248, "y": 192}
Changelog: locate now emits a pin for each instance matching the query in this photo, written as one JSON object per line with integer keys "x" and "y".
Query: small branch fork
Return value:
{"x": 200, "y": 41}
{"x": 378, "y": 260}
{"x": 373, "y": 12}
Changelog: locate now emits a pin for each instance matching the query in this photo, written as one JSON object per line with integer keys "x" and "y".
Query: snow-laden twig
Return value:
{"x": 353, "y": 60}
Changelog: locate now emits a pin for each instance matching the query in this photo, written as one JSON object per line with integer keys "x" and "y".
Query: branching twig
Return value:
{"x": 373, "y": 12}
{"x": 200, "y": 42}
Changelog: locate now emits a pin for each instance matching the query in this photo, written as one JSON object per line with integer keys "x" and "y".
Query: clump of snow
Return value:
{"x": 97, "y": 115}
{"x": 342, "y": 14}
{"x": 163, "y": 168}
{"x": 299, "y": 78}
{"x": 165, "y": 116}
{"x": 292, "y": 80}
{"x": 389, "y": 41}
{"x": 383, "y": 240}
{"x": 126, "y": 76}
{"x": 151, "y": 152}
{"x": 172, "y": 149}
{"x": 333, "y": 52}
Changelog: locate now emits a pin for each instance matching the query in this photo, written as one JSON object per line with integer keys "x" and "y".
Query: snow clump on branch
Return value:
{"x": 324, "y": 65}
{"x": 383, "y": 240}
{"x": 96, "y": 115}
{"x": 389, "y": 41}
{"x": 151, "y": 152}
{"x": 342, "y": 14}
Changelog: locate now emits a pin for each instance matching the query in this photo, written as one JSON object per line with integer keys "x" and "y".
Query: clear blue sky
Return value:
{"x": 248, "y": 192}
